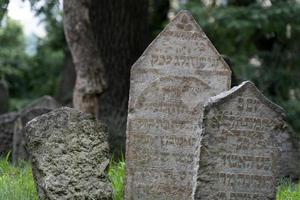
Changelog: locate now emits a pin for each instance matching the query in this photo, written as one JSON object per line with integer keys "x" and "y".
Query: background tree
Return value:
{"x": 13, "y": 59}
{"x": 42, "y": 70}
{"x": 88, "y": 64}
{"x": 63, "y": 68}
{"x": 3, "y": 8}
{"x": 121, "y": 29}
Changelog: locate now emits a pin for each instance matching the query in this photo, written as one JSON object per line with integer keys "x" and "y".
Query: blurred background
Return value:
{"x": 260, "y": 40}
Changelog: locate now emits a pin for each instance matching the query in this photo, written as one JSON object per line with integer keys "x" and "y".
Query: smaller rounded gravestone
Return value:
{"x": 240, "y": 149}
{"x": 69, "y": 155}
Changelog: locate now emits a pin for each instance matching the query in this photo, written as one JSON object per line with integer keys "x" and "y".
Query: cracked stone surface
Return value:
{"x": 240, "y": 152}
{"x": 169, "y": 84}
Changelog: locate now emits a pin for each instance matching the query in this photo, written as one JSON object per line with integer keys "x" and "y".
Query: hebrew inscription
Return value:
{"x": 239, "y": 153}
{"x": 170, "y": 83}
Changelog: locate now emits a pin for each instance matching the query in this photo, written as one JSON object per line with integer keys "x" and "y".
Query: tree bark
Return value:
{"x": 121, "y": 29}
{"x": 67, "y": 82}
{"x": 90, "y": 83}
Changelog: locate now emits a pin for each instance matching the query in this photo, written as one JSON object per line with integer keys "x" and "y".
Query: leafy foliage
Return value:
{"x": 30, "y": 76}
{"x": 262, "y": 44}
{"x": 13, "y": 59}
{"x": 3, "y": 8}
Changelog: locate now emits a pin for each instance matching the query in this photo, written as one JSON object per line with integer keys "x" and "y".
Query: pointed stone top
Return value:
{"x": 184, "y": 21}
{"x": 183, "y": 36}
{"x": 233, "y": 92}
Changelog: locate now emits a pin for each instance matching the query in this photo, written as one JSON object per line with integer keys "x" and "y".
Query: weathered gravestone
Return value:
{"x": 69, "y": 155}
{"x": 42, "y": 102}
{"x": 6, "y": 131}
{"x": 38, "y": 107}
{"x": 239, "y": 154}
{"x": 289, "y": 146}
{"x": 19, "y": 151}
{"x": 170, "y": 82}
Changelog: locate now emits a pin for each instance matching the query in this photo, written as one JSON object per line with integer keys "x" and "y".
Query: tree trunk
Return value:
{"x": 90, "y": 83}
{"x": 121, "y": 29}
{"x": 67, "y": 82}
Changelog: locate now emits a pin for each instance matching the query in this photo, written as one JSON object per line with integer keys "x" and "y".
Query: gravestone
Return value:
{"x": 19, "y": 151}
{"x": 289, "y": 146}
{"x": 69, "y": 155}
{"x": 37, "y": 107}
{"x": 6, "y": 131}
{"x": 42, "y": 102}
{"x": 169, "y": 84}
{"x": 239, "y": 154}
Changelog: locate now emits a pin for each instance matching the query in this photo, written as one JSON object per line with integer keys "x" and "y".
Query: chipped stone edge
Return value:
{"x": 227, "y": 95}
{"x": 140, "y": 60}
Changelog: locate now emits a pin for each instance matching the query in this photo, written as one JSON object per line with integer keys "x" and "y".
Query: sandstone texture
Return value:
{"x": 38, "y": 107}
{"x": 169, "y": 84}
{"x": 69, "y": 155}
{"x": 240, "y": 153}
{"x": 19, "y": 151}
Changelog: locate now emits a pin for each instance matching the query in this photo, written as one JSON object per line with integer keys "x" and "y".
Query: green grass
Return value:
{"x": 16, "y": 183}
{"x": 116, "y": 173}
{"x": 288, "y": 191}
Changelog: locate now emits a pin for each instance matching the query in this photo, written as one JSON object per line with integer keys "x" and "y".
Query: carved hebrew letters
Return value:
{"x": 238, "y": 159}
{"x": 170, "y": 83}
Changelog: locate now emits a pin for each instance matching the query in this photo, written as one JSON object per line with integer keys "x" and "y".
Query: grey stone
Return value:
{"x": 6, "y": 131}
{"x": 42, "y": 102}
{"x": 240, "y": 153}
{"x": 19, "y": 151}
{"x": 69, "y": 155}
{"x": 170, "y": 82}
{"x": 4, "y": 97}
{"x": 7, "y": 123}
{"x": 289, "y": 144}
{"x": 37, "y": 107}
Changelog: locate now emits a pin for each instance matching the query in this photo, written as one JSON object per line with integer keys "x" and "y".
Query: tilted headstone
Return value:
{"x": 19, "y": 151}
{"x": 239, "y": 151}
{"x": 170, "y": 82}
{"x": 69, "y": 155}
{"x": 38, "y": 107}
{"x": 42, "y": 102}
{"x": 6, "y": 131}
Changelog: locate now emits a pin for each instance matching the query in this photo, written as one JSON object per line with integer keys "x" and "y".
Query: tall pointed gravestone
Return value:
{"x": 169, "y": 84}
{"x": 240, "y": 151}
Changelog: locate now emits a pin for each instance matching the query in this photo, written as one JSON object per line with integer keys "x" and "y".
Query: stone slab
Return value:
{"x": 169, "y": 84}
{"x": 239, "y": 154}
{"x": 69, "y": 155}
